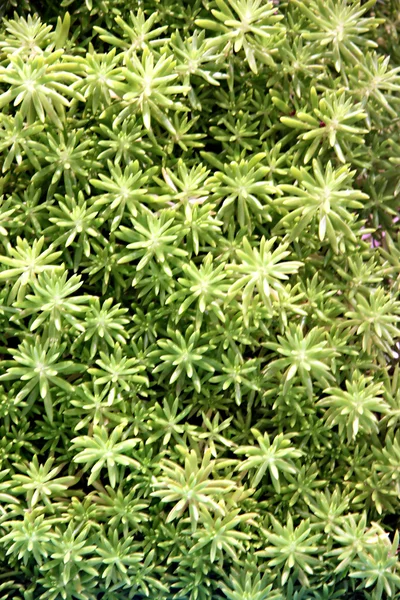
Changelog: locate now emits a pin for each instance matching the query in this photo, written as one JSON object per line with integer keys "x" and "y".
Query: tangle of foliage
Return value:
{"x": 199, "y": 301}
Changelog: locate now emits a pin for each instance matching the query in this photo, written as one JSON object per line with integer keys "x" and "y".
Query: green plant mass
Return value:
{"x": 199, "y": 299}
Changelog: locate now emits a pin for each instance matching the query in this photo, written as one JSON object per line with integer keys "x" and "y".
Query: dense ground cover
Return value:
{"x": 199, "y": 301}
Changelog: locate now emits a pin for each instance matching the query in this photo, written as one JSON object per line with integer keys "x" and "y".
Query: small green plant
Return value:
{"x": 199, "y": 299}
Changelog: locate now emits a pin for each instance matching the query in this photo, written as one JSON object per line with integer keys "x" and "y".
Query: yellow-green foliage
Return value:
{"x": 199, "y": 299}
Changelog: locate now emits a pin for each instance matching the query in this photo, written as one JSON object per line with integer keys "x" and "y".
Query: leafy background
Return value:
{"x": 199, "y": 300}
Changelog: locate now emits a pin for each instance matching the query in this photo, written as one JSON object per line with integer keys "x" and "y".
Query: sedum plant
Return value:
{"x": 199, "y": 300}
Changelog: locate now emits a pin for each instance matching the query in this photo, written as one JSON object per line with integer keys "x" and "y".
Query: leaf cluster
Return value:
{"x": 199, "y": 313}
